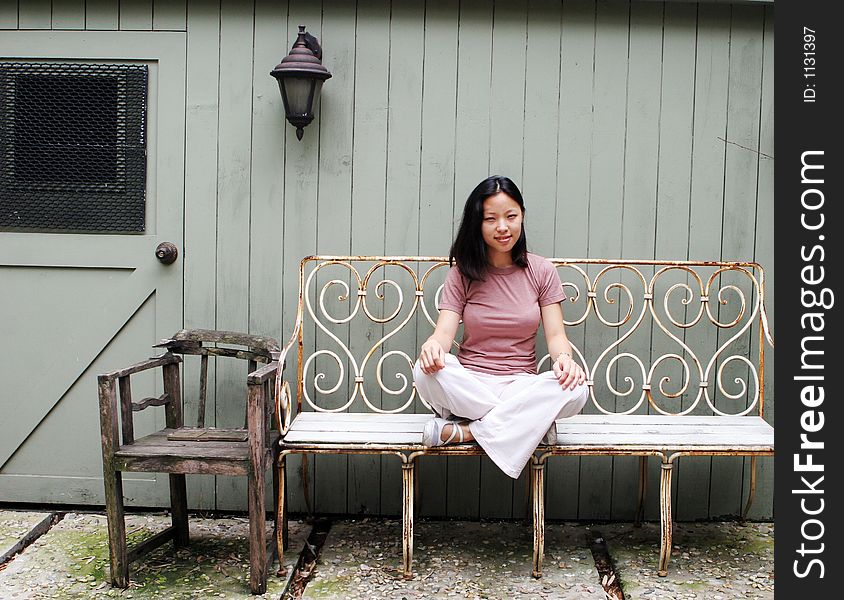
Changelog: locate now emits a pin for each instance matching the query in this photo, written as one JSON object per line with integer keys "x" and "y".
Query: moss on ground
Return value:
{"x": 71, "y": 561}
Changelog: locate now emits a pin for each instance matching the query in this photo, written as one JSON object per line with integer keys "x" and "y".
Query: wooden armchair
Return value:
{"x": 179, "y": 450}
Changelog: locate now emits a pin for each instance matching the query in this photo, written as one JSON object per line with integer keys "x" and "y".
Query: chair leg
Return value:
{"x": 118, "y": 554}
{"x": 179, "y": 510}
{"x": 407, "y": 521}
{"x": 665, "y": 518}
{"x": 643, "y": 490}
{"x": 537, "y": 476}
{"x": 257, "y": 531}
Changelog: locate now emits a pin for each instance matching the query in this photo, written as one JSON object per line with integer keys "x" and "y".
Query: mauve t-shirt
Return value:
{"x": 501, "y": 314}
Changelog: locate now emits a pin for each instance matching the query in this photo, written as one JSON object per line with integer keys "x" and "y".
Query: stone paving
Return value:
{"x": 360, "y": 560}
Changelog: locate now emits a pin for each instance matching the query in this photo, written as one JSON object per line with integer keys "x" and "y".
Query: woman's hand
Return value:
{"x": 568, "y": 372}
{"x": 431, "y": 356}
{"x": 432, "y": 353}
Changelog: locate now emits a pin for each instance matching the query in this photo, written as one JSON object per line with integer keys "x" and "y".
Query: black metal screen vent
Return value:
{"x": 72, "y": 146}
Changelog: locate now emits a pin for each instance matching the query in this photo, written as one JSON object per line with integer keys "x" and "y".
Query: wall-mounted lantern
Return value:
{"x": 300, "y": 75}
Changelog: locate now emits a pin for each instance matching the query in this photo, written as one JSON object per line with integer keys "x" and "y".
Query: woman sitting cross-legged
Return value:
{"x": 491, "y": 392}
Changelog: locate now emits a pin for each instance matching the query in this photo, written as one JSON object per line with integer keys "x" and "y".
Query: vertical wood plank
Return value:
{"x": 8, "y": 14}
{"x": 280, "y": 266}
{"x": 201, "y": 138}
{"x": 401, "y": 218}
{"x": 334, "y": 210}
{"x": 763, "y": 506}
{"x": 404, "y": 128}
{"x": 68, "y": 14}
{"x": 541, "y": 123}
{"x": 740, "y": 184}
{"x": 233, "y": 208}
{"x": 169, "y": 15}
{"x": 506, "y": 141}
{"x": 472, "y": 153}
{"x": 35, "y": 14}
{"x": 101, "y": 14}
{"x": 439, "y": 95}
{"x": 673, "y": 184}
{"x": 267, "y": 169}
{"x": 301, "y": 179}
{"x": 710, "y": 123}
{"x": 292, "y": 248}
{"x": 641, "y": 144}
{"x": 538, "y": 179}
{"x": 574, "y": 143}
{"x": 507, "y": 89}
{"x": 136, "y": 15}
{"x": 605, "y": 214}
{"x": 369, "y": 159}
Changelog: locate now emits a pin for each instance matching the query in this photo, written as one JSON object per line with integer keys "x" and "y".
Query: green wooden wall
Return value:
{"x": 635, "y": 130}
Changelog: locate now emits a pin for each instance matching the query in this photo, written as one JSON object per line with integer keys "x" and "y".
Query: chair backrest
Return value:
{"x": 206, "y": 342}
{"x": 670, "y": 337}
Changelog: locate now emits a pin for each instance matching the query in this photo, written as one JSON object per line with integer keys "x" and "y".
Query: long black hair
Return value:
{"x": 469, "y": 248}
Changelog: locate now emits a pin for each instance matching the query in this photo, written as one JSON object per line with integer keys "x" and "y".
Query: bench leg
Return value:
{"x": 417, "y": 493}
{"x": 752, "y": 494}
{"x": 118, "y": 553}
{"x": 665, "y": 518}
{"x": 274, "y": 510}
{"x": 407, "y": 518}
{"x": 537, "y": 477}
{"x": 282, "y": 542}
{"x": 643, "y": 490}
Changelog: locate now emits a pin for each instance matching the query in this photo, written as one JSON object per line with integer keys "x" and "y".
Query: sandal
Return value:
{"x": 432, "y": 433}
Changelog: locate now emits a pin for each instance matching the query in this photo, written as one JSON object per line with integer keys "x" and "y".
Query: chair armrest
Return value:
{"x": 263, "y": 374}
{"x": 152, "y": 363}
{"x": 111, "y": 406}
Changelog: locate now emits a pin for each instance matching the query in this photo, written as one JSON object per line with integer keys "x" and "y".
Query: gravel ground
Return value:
{"x": 360, "y": 560}
{"x": 70, "y": 561}
{"x": 709, "y": 561}
{"x": 452, "y": 559}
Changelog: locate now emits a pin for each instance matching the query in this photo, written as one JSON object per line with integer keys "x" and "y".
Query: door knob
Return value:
{"x": 166, "y": 252}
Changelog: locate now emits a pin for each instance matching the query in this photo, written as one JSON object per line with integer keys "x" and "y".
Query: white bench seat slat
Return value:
{"x": 305, "y": 419}
{"x": 586, "y": 431}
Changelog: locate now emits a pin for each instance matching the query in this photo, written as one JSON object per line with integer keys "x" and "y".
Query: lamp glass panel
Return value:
{"x": 298, "y": 91}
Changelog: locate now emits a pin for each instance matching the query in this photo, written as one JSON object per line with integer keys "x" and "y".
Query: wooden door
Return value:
{"x": 75, "y": 304}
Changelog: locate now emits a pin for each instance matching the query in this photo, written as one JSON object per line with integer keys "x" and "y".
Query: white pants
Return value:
{"x": 509, "y": 414}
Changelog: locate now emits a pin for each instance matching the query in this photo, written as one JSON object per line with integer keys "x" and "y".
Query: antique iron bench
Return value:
{"x": 673, "y": 351}
{"x": 247, "y": 450}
